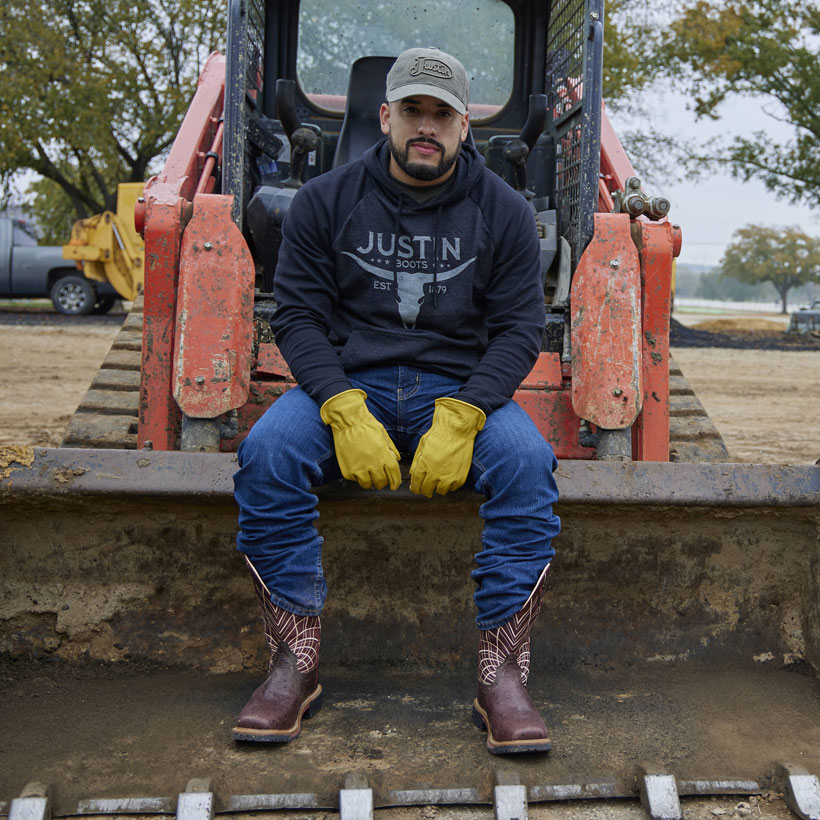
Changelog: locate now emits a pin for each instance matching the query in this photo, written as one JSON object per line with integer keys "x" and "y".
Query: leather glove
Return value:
{"x": 363, "y": 449}
{"x": 445, "y": 452}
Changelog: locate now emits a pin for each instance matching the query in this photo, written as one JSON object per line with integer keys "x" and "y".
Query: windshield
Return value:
{"x": 23, "y": 233}
{"x": 478, "y": 32}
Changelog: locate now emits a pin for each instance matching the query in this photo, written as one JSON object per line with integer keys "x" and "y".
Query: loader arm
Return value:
{"x": 163, "y": 217}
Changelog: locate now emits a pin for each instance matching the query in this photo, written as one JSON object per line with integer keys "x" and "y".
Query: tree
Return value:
{"x": 92, "y": 92}
{"x": 632, "y": 37}
{"x": 716, "y": 285}
{"x": 786, "y": 257}
{"x": 767, "y": 49}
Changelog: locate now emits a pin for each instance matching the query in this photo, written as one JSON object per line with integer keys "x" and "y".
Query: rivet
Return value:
{"x": 614, "y": 263}
{"x": 200, "y": 380}
{"x": 208, "y": 246}
{"x": 593, "y": 15}
{"x": 617, "y": 391}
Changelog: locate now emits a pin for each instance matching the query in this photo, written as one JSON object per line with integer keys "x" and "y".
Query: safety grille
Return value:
{"x": 256, "y": 50}
{"x": 574, "y": 70}
{"x": 243, "y": 94}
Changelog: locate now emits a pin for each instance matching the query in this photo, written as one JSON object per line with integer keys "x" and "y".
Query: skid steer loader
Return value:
{"x": 677, "y": 653}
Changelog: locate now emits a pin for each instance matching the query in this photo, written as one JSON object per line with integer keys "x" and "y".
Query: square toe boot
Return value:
{"x": 502, "y": 706}
{"x": 291, "y": 691}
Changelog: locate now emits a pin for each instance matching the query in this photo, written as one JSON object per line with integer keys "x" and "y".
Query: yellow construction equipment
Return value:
{"x": 106, "y": 246}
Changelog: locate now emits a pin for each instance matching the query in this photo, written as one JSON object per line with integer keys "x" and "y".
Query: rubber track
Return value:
{"x": 107, "y": 415}
{"x": 692, "y": 434}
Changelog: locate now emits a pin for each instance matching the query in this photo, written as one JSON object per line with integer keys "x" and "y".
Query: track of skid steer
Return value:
{"x": 107, "y": 415}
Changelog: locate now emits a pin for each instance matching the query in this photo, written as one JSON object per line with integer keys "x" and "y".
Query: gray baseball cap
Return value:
{"x": 431, "y": 72}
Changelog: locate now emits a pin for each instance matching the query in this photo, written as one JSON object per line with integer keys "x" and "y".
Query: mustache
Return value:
{"x": 425, "y": 141}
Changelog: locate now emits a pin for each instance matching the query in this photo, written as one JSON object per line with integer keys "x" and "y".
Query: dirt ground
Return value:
{"x": 763, "y": 401}
{"x": 46, "y": 371}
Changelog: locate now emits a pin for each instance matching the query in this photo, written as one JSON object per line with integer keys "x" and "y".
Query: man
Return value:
{"x": 409, "y": 308}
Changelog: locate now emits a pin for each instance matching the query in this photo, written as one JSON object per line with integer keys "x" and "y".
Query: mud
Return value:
{"x": 97, "y": 734}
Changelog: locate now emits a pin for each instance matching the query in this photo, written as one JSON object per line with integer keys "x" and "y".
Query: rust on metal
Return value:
{"x": 607, "y": 375}
{"x": 214, "y": 327}
{"x": 271, "y": 362}
{"x": 167, "y": 204}
{"x": 552, "y": 412}
{"x": 651, "y": 432}
{"x": 616, "y": 167}
{"x": 261, "y": 396}
{"x": 546, "y": 373}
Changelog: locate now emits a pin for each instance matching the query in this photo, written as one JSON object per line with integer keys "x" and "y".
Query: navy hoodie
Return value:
{"x": 367, "y": 277}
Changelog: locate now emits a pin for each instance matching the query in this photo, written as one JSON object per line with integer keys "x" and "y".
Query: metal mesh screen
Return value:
{"x": 574, "y": 67}
{"x": 565, "y": 49}
{"x": 256, "y": 50}
{"x": 243, "y": 94}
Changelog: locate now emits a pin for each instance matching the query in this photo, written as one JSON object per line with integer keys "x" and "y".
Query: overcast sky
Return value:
{"x": 709, "y": 211}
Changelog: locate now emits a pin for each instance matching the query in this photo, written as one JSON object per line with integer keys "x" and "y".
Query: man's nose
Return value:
{"x": 427, "y": 126}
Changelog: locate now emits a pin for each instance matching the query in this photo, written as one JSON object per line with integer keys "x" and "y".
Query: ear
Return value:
{"x": 384, "y": 118}
{"x": 465, "y": 125}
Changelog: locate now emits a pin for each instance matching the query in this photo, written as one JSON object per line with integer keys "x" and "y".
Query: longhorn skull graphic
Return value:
{"x": 410, "y": 286}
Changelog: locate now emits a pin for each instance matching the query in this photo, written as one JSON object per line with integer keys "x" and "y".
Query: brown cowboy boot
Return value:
{"x": 503, "y": 706}
{"x": 291, "y": 691}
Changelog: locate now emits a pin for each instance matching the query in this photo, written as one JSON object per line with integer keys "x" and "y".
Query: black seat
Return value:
{"x": 361, "y": 126}
{"x": 365, "y": 94}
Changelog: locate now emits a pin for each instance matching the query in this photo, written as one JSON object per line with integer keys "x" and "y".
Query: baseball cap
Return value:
{"x": 431, "y": 72}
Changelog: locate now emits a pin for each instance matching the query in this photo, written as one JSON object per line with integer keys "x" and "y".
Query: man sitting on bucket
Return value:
{"x": 409, "y": 308}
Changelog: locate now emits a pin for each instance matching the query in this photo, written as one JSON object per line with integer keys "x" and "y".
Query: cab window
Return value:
{"x": 479, "y": 32}
{"x": 21, "y": 236}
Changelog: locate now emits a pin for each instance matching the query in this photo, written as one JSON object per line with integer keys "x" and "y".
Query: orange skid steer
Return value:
{"x": 677, "y": 653}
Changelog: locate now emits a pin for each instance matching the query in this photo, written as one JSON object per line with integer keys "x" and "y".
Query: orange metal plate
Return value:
{"x": 167, "y": 196}
{"x": 214, "y": 323}
{"x": 545, "y": 373}
{"x": 552, "y": 412}
{"x": 651, "y": 433}
{"x": 271, "y": 362}
{"x": 607, "y": 375}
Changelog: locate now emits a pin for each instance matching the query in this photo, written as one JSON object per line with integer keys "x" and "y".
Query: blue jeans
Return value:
{"x": 290, "y": 450}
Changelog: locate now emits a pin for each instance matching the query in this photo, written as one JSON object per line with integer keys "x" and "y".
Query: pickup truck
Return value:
{"x": 29, "y": 270}
{"x": 806, "y": 319}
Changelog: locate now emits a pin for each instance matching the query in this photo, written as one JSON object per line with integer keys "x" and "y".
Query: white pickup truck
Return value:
{"x": 806, "y": 319}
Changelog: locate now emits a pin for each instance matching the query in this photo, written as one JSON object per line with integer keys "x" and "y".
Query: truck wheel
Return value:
{"x": 73, "y": 295}
{"x": 104, "y": 304}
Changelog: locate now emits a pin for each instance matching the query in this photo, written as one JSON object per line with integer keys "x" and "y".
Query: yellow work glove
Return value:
{"x": 445, "y": 452}
{"x": 363, "y": 449}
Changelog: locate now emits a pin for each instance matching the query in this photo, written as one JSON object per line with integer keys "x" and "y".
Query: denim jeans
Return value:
{"x": 290, "y": 450}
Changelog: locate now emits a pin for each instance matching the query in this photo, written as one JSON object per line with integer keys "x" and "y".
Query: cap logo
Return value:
{"x": 428, "y": 65}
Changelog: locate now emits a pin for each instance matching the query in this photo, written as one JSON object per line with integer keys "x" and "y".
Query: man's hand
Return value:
{"x": 363, "y": 449}
{"x": 445, "y": 452}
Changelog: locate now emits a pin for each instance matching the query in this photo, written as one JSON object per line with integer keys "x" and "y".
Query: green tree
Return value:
{"x": 786, "y": 257}
{"x": 768, "y": 49}
{"x": 92, "y": 92}
{"x": 633, "y": 36}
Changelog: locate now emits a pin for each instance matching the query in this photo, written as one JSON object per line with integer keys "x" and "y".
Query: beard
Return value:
{"x": 420, "y": 170}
